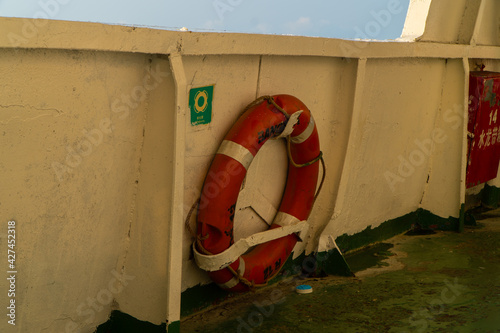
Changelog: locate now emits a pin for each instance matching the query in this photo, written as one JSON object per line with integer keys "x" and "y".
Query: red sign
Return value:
{"x": 483, "y": 127}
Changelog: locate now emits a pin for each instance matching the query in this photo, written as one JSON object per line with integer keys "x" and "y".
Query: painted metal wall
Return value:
{"x": 398, "y": 142}
{"x": 74, "y": 152}
{"x": 100, "y": 162}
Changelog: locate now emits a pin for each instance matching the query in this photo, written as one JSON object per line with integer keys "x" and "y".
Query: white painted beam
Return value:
{"x": 81, "y": 36}
{"x": 354, "y": 132}
{"x": 416, "y": 19}
{"x": 176, "y": 223}
{"x": 463, "y": 170}
{"x": 477, "y": 24}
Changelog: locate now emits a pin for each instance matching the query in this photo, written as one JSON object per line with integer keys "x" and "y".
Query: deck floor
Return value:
{"x": 443, "y": 282}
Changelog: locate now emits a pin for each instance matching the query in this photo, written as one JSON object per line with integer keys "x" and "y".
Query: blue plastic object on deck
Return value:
{"x": 304, "y": 289}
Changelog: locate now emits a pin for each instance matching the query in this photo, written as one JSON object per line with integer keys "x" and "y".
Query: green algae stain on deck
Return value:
{"x": 372, "y": 256}
{"x": 448, "y": 283}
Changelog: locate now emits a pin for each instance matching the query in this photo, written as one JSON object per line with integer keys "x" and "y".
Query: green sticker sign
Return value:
{"x": 200, "y": 104}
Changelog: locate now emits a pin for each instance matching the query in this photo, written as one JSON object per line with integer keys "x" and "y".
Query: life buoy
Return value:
{"x": 261, "y": 121}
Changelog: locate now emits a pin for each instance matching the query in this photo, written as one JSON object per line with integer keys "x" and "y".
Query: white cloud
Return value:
{"x": 263, "y": 28}
{"x": 299, "y": 26}
{"x": 303, "y": 20}
{"x": 213, "y": 25}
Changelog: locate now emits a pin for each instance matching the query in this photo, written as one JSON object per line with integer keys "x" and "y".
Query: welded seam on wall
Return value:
{"x": 133, "y": 207}
{"x": 257, "y": 90}
{"x": 434, "y": 126}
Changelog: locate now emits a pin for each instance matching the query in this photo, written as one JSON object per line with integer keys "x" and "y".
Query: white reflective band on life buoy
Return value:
{"x": 241, "y": 267}
{"x": 237, "y": 152}
{"x": 229, "y": 284}
{"x": 234, "y": 280}
{"x": 304, "y": 135}
{"x": 214, "y": 262}
{"x": 283, "y": 219}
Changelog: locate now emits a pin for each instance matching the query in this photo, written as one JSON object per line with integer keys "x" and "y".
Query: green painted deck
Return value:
{"x": 441, "y": 282}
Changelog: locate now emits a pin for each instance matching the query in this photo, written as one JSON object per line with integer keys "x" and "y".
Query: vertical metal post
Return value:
{"x": 463, "y": 171}
{"x": 175, "y": 224}
{"x": 353, "y": 135}
{"x": 477, "y": 25}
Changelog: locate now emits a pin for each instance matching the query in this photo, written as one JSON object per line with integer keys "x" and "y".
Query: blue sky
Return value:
{"x": 377, "y": 19}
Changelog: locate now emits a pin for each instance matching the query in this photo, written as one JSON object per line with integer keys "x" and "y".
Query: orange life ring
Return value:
{"x": 260, "y": 122}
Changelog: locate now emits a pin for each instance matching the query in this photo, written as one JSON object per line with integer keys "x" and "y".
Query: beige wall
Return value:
{"x": 92, "y": 212}
{"x": 72, "y": 196}
{"x": 404, "y": 152}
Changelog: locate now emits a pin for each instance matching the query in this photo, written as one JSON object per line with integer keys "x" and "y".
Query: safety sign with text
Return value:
{"x": 200, "y": 104}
